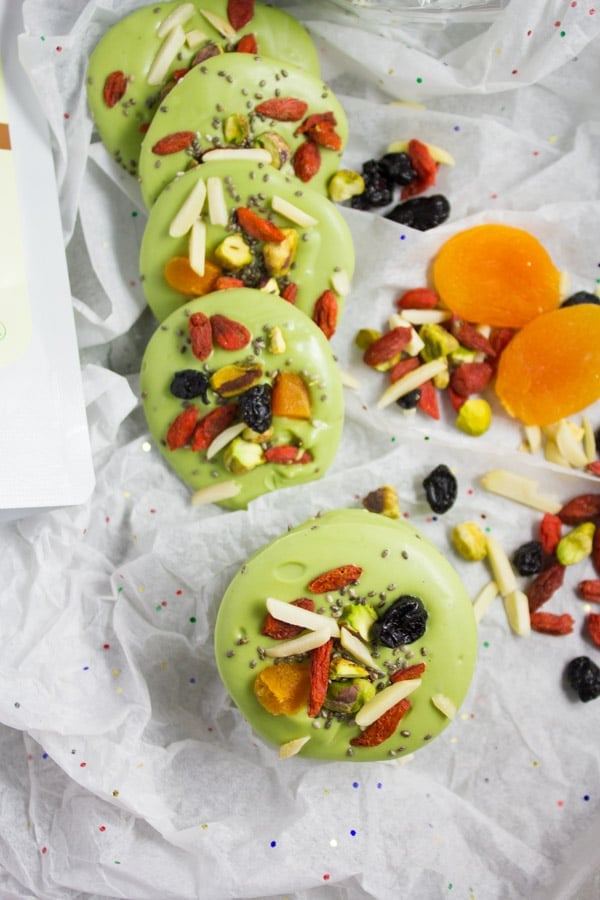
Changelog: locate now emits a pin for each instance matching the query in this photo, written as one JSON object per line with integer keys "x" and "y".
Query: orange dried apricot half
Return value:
{"x": 496, "y": 275}
{"x": 180, "y": 276}
{"x": 283, "y": 689}
{"x": 551, "y": 367}
{"x": 290, "y": 396}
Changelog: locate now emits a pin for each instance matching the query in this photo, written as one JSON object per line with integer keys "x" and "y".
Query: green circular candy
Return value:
{"x": 323, "y": 254}
{"x": 125, "y": 57}
{"x": 282, "y": 349}
{"x": 214, "y": 106}
{"x": 395, "y": 560}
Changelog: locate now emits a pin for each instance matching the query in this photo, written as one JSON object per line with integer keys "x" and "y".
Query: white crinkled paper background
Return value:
{"x": 126, "y": 772}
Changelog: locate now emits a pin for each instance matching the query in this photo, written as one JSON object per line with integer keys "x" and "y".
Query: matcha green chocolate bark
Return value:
{"x": 239, "y": 101}
{"x": 402, "y": 589}
{"x": 316, "y": 254}
{"x": 140, "y": 58}
{"x": 249, "y": 370}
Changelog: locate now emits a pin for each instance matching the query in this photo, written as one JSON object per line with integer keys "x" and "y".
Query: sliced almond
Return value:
{"x": 519, "y": 488}
{"x": 251, "y": 154}
{"x": 340, "y": 282}
{"x": 589, "y": 439}
{"x": 437, "y": 153}
{"x": 189, "y": 211}
{"x": 349, "y": 380}
{"x": 356, "y": 648}
{"x": 503, "y": 572}
{"x": 426, "y": 316}
{"x": 384, "y": 700}
{"x": 304, "y": 618}
{"x": 217, "y": 207}
{"x": 412, "y": 380}
{"x": 533, "y": 437}
{"x": 564, "y": 285}
{"x": 197, "y": 247}
{"x": 516, "y": 606}
{"x": 271, "y": 287}
{"x": 570, "y": 444}
{"x": 444, "y": 704}
{"x": 291, "y": 748}
{"x": 194, "y": 37}
{"x": 221, "y": 25}
{"x": 310, "y": 640}
{"x": 165, "y": 55}
{"x": 214, "y": 493}
{"x": 553, "y": 454}
{"x": 292, "y": 212}
{"x": 179, "y": 16}
{"x": 224, "y": 438}
{"x": 484, "y": 599}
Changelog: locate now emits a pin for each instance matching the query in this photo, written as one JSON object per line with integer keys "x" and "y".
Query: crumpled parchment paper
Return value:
{"x": 126, "y": 771}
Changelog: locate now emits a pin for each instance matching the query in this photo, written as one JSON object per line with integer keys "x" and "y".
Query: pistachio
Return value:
{"x": 234, "y": 379}
{"x": 475, "y": 416}
{"x": 576, "y": 545}
{"x": 279, "y": 255}
{"x": 276, "y": 340}
{"x": 233, "y": 252}
{"x": 365, "y": 337}
{"x": 469, "y": 540}
{"x": 276, "y": 148}
{"x": 236, "y": 128}
{"x": 344, "y": 185}
{"x": 437, "y": 341}
{"x": 240, "y": 456}
{"x": 383, "y": 500}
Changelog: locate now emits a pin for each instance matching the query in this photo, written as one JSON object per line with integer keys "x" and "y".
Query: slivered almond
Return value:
{"x": 217, "y": 207}
{"x": 516, "y": 606}
{"x": 179, "y": 16}
{"x": 165, "y": 55}
{"x": 349, "y": 380}
{"x": 251, "y": 154}
{"x": 503, "y": 572}
{"x": 356, "y": 648}
{"x": 553, "y": 454}
{"x": 340, "y": 282}
{"x": 292, "y": 212}
{"x": 194, "y": 37}
{"x": 533, "y": 437}
{"x": 221, "y": 25}
{"x": 589, "y": 439}
{"x": 214, "y": 493}
{"x": 426, "y": 316}
{"x": 384, "y": 700}
{"x": 310, "y": 640}
{"x": 484, "y": 599}
{"x": 189, "y": 210}
{"x": 224, "y": 438}
{"x": 416, "y": 343}
{"x": 412, "y": 380}
{"x": 570, "y": 445}
{"x": 197, "y": 247}
{"x": 304, "y": 618}
{"x": 291, "y": 748}
{"x": 519, "y": 488}
{"x": 444, "y": 704}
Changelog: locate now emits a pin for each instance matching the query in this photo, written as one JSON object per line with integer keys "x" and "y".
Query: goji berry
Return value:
{"x": 283, "y": 109}
{"x": 424, "y": 165}
{"x": 325, "y": 313}
{"x": 406, "y": 674}
{"x": 247, "y": 44}
{"x": 418, "y": 298}
{"x": 229, "y": 334}
{"x": 173, "y": 143}
{"x": 287, "y": 454}
{"x": 471, "y": 378}
{"x": 316, "y": 119}
{"x": 500, "y": 338}
{"x": 114, "y": 89}
{"x": 383, "y": 727}
{"x": 593, "y": 627}
{"x": 325, "y": 135}
{"x": 456, "y": 400}
{"x": 212, "y": 424}
{"x": 589, "y": 589}
{"x": 182, "y": 428}
{"x": 320, "y": 658}
{"x": 545, "y": 585}
{"x": 284, "y": 631}
{"x": 428, "y": 401}
{"x": 306, "y": 161}
{"x": 200, "y": 331}
{"x": 403, "y": 366}
{"x": 226, "y": 282}
{"x": 580, "y": 509}
{"x": 467, "y": 335}
{"x": 257, "y": 227}
{"x": 386, "y": 347}
{"x": 550, "y": 532}
{"x": 239, "y": 12}
{"x": 551, "y": 623}
{"x": 335, "y": 579}
{"x": 596, "y": 550}
{"x": 290, "y": 292}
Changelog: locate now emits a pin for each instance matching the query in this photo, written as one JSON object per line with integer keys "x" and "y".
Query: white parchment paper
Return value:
{"x": 126, "y": 771}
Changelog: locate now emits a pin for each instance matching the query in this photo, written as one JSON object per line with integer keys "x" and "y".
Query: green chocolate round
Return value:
{"x": 307, "y": 353}
{"x": 234, "y": 85}
{"x": 130, "y": 46}
{"x": 324, "y": 251}
{"x": 395, "y": 559}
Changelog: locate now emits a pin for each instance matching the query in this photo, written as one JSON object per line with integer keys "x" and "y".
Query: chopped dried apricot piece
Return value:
{"x": 290, "y": 396}
{"x": 180, "y": 276}
{"x": 283, "y": 689}
{"x": 496, "y": 275}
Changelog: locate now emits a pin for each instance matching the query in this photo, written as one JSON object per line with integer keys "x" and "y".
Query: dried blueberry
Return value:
{"x": 581, "y": 297}
{"x": 441, "y": 489}
{"x": 255, "y": 407}
{"x": 189, "y": 383}
{"x": 410, "y": 400}
{"x": 379, "y": 190}
{"x": 421, "y": 213}
{"x": 528, "y": 558}
{"x": 583, "y": 675}
{"x": 403, "y": 622}
{"x": 398, "y": 168}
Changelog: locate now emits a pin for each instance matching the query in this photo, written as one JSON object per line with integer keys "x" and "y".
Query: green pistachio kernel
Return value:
{"x": 344, "y": 185}
{"x": 474, "y": 416}
{"x": 438, "y": 342}
{"x": 576, "y": 545}
{"x": 469, "y": 540}
{"x": 365, "y": 337}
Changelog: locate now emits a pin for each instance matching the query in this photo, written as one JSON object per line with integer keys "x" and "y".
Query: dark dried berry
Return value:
{"x": 403, "y": 622}
{"x": 255, "y": 407}
{"x": 528, "y": 559}
{"x": 583, "y": 675}
{"x": 189, "y": 383}
{"x": 398, "y": 168}
{"x": 421, "y": 213}
{"x": 441, "y": 489}
{"x": 410, "y": 400}
{"x": 581, "y": 297}
{"x": 379, "y": 190}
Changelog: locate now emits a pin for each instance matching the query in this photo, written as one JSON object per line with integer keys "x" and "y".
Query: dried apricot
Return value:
{"x": 290, "y": 396}
{"x": 497, "y": 275}
{"x": 550, "y": 369}
{"x": 180, "y": 276}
